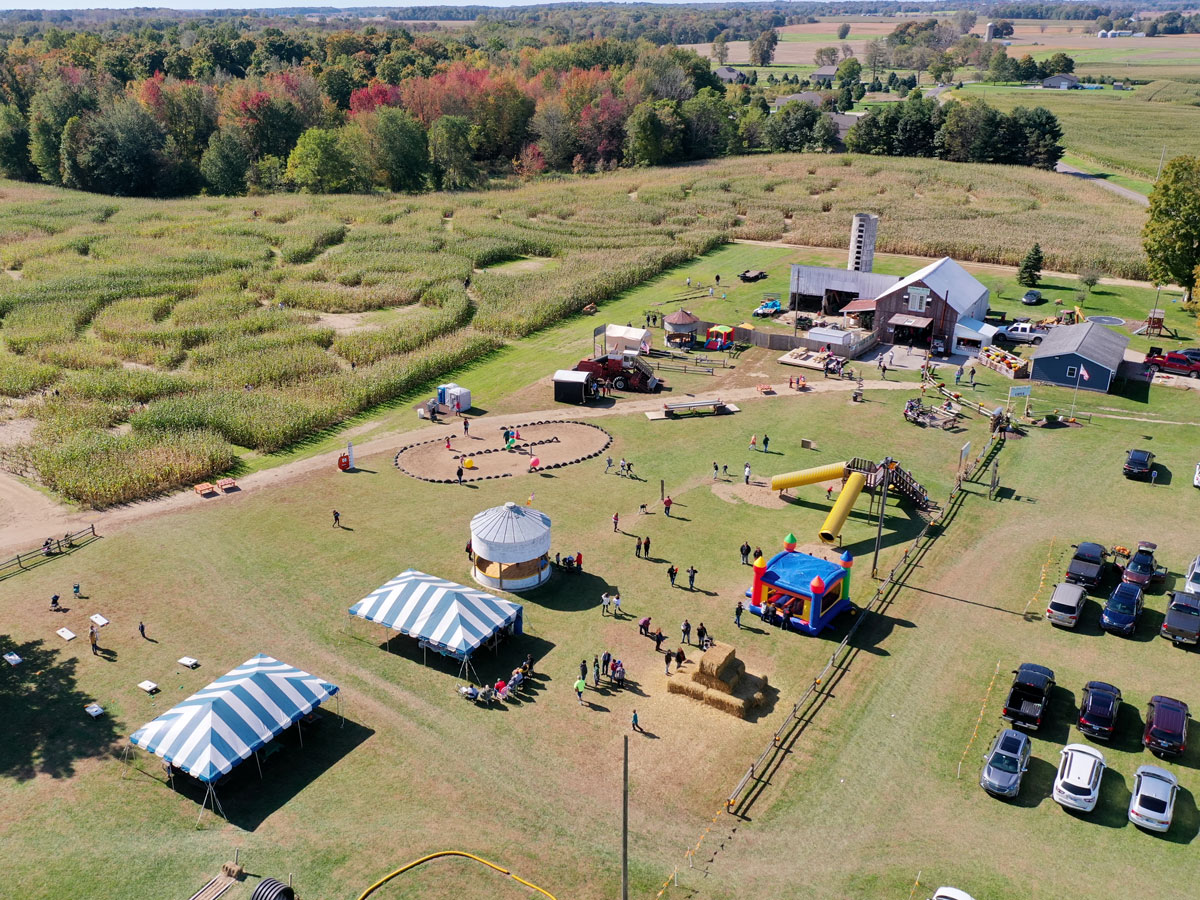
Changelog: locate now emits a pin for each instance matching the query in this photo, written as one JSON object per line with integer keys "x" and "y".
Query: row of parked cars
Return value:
{"x": 1088, "y": 570}
{"x": 1077, "y": 784}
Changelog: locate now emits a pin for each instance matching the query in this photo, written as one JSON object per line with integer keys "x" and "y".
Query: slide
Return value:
{"x": 841, "y": 508}
{"x": 808, "y": 476}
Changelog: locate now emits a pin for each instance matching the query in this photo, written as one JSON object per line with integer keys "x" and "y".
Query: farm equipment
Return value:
{"x": 752, "y": 275}
{"x": 936, "y": 416}
{"x": 767, "y": 309}
{"x": 626, "y": 371}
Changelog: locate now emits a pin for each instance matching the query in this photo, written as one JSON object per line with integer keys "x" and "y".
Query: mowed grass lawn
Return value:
{"x": 416, "y": 769}
{"x": 1111, "y": 128}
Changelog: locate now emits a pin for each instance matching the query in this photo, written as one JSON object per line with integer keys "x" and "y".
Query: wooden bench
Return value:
{"x": 205, "y": 488}
{"x": 227, "y": 484}
{"x": 766, "y": 389}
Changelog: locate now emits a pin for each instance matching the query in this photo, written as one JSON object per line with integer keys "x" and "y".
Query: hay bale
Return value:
{"x": 714, "y": 659}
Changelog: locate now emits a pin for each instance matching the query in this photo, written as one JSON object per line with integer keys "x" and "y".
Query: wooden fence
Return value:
{"x": 32, "y": 558}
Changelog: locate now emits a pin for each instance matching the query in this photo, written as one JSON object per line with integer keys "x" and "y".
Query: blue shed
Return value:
{"x": 1086, "y": 355}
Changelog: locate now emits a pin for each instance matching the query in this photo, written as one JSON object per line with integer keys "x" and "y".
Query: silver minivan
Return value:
{"x": 1066, "y": 605}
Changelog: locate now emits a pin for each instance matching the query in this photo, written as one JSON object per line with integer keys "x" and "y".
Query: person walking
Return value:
{"x": 725, "y": 470}
{"x": 691, "y": 574}
{"x": 891, "y": 359}
{"x": 644, "y": 627}
{"x": 679, "y": 658}
{"x": 579, "y": 561}
{"x": 580, "y": 685}
{"x": 667, "y": 504}
{"x": 686, "y": 630}
{"x": 605, "y": 599}
{"x": 142, "y": 630}
{"x": 605, "y": 661}
{"x": 672, "y": 571}
{"x": 629, "y": 468}
{"x": 470, "y": 552}
{"x": 94, "y": 637}
{"x": 659, "y": 637}
{"x": 689, "y": 281}
{"x": 829, "y": 492}
{"x": 746, "y": 473}
{"x": 766, "y": 442}
{"x": 972, "y": 378}
{"x": 646, "y": 548}
{"x": 883, "y": 369}
{"x": 636, "y": 726}
{"x": 596, "y": 671}
{"x": 701, "y": 635}
{"x": 617, "y": 605}
{"x": 583, "y": 669}
{"x": 459, "y": 474}
{"x": 337, "y": 519}
{"x": 958, "y": 374}
{"x": 624, "y": 465}
{"x": 716, "y": 470}
{"x": 616, "y": 521}
{"x": 737, "y": 614}
{"x": 466, "y": 427}
{"x": 754, "y": 442}
{"x": 670, "y": 656}
{"x": 607, "y": 465}
{"x": 637, "y": 548}
{"x": 745, "y": 551}
{"x": 448, "y": 447}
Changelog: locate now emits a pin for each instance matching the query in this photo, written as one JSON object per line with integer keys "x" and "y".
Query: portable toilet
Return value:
{"x": 460, "y": 395}
{"x": 443, "y": 392}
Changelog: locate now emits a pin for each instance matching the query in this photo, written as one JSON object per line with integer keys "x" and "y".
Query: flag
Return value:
{"x": 529, "y": 502}
{"x": 1083, "y": 372}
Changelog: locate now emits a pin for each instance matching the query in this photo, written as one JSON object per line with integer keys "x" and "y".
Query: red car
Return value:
{"x": 1166, "y": 726}
{"x": 1172, "y": 361}
{"x": 1142, "y": 568}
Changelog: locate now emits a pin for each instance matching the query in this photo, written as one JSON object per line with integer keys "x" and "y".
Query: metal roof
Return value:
{"x": 510, "y": 533}
{"x": 681, "y": 317}
{"x": 825, "y": 72}
{"x": 951, "y": 282}
{"x": 1092, "y": 341}
{"x": 816, "y": 280}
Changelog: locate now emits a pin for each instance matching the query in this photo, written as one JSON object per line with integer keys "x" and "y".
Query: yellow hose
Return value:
{"x": 424, "y": 859}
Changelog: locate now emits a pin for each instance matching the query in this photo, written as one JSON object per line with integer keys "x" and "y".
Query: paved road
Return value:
{"x": 1125, "y": 192}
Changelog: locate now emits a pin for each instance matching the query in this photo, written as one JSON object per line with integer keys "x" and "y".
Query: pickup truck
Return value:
{"x": 1182, "y": 623}
{"x": 1028, "y": 696}
{"x": 1088, "y": 565}
{"x": 1173, "y": 362}
{"x": 1021, "y": 333}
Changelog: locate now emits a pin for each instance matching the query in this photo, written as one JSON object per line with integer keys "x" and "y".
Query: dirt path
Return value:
{"x": 995, "y": 267}
{"x": 27, "y": 516}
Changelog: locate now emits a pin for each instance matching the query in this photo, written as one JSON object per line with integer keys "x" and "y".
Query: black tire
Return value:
{"x": 1193, "y": 374}
{"x": 1037, "y": 341}
{"x": 619, "y": 383}
{"x": 1152, "y": 370}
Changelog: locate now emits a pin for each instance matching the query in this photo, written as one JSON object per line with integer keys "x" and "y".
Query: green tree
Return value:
{"x": 1030, "y": 272}
{"x": 790, "y": 130}
{"x": 338, "y": 84}
{"x": 708, "y": 126}
{"x": 1090, "y": 277}
{"x": 653, "y": 134}
{"x": 321, "y": 163}
{"x": 824, "y": 135}
{"x": 1058, "y": 63}
{"x": 1027, "y": 70}
{"x": 399, "y": 149}
{"x": 849, "y": 71}
{"x": 762, "y": 48}
{"x": 117, "y": 151}
{"x": 48, "y": 114}
{"x": 1001, "y": 67}
{"x": 225, "y": 162}
{"x": 843, "y": 30}
{"x": 1041, "y": 137}
{"x": 450, "y": 154}
{"x": 556, "y": 131}
{"x": 14, "y": 145}
{"x": 752, "y": 127}
{"x": 1171, "y": 235}
{"x": 720, "y": 49}
{"x": 825, "y": 56}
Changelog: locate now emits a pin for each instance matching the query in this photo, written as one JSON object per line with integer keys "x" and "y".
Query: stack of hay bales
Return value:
{"x": 720, "y": 681}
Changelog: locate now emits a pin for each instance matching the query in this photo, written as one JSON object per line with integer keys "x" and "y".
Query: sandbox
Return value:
{"x": 553, "y": 444}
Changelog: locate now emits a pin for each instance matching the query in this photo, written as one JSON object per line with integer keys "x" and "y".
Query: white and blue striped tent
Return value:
{"x": 217, "y": 727}
{"x": 445, "y": 617}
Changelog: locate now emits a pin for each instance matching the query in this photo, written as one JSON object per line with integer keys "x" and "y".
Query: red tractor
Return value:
{"x": 626, "y": 371}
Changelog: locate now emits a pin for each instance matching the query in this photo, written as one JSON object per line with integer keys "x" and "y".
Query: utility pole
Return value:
{"x": 625, "y": 825}
{"x": 886, "y": 465}
{"x": 1162, "y": 159}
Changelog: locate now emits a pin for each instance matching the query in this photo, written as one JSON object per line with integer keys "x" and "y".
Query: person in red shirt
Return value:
{"x": 578, "y": 562}
{"x": 667, "y": 504}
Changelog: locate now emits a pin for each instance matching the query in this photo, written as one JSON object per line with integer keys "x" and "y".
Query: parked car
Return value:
{"x": 1190, "y": 353}
{"x": 1032, "y": 298}
{"x": 1077, "y": 784}
{"x": 1172, "y": 361}
{"x": 1138, "y": 464}
{"x": 1166, "y": 726}
{"x": 1142, "y": 568}
{"x": 1006, "y": 763}
{"x": 1182, "y": 621}
{"x": 1066, "y": 605}
{"x": 1099, "y": 709}
{"x": 1123, "y": 609}
{"x": 1191, "y": 583}
{"x": 1021, "y": 333}
{"x": 1152, "y": 805}
{"x": 1028, "y": 696}
{"x": 1088, "y": 565}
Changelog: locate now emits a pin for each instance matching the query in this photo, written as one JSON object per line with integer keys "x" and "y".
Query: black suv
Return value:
{"x": 1138, "y": 464}
{"x": 1166, "y": 726}
{"x": 1098, "y": 711}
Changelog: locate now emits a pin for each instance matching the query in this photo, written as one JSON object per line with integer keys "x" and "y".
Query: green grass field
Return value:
{"x": 1110, "y": 129}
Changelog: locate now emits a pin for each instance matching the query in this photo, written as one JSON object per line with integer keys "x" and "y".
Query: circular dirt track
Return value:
{"x": 554, "y": 444}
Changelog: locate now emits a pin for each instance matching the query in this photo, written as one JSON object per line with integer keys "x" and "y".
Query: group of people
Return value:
{"x": 569, "y": 562}
{"x": 748, "y": 554}
{"x": 615, "y": 600}
{"x": 673, "y": 572}
{"x": 502, "y": 689}
{"x": 624, "y": 469}
{"x": 704, "y": 640}
{"x": 834, "y": 365}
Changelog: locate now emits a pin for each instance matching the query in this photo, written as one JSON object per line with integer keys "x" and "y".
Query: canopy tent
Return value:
{"x": 622, "y": 338}
{"x": 445, "y": 617}
{"x": 511, "y": 545}
{"x": 220, "y": 725}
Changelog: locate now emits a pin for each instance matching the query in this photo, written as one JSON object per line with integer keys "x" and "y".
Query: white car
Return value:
{"x": 1066, "y": 603}
{"x": 1153, "y": 801}
{"x": 1192, "y": 584}
{"x": 949, "y": 893}
{"x": 1077, "y": 784}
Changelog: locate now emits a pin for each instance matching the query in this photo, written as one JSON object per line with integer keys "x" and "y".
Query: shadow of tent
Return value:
{"x": 570, "y": 591}
{"x": 46, "y": 728}
{"x": 487, "y": 663}
{"x": 248, "y": 800}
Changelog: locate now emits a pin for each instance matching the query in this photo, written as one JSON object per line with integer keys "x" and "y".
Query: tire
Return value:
{"x": 1037, "y": 341}
{"x": 1152, "y": 370}
{"x": 1193, "y": 374}
{"x": 619, "y": 383}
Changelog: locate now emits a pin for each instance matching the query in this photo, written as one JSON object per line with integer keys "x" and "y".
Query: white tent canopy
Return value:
{"x": 510, "y": 533}
{"x": 620, "y": 338}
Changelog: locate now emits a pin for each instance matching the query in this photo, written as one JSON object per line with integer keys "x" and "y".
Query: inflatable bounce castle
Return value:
{"x": 807, "y": 590}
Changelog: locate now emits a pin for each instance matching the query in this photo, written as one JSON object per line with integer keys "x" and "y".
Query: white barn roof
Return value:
{"x": 510, "y": 533}
{"x": 948, "y": 280}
